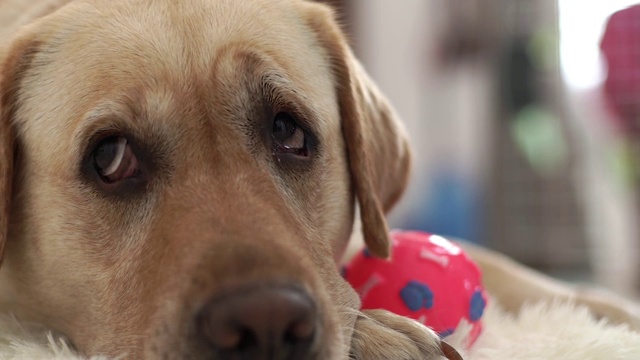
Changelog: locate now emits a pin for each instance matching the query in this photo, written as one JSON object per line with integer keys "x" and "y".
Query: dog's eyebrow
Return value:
{"x": 106, "y": 114}
{"x": 283, "y": 94}
{"x": 125, "y": 112}
{"x": 271, "y": 77}
{"x": 107, "y": 109}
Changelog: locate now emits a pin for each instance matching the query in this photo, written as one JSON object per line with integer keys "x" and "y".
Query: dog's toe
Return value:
{"x": 381, "y": 335}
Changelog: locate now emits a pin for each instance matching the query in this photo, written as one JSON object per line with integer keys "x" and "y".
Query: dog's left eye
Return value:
{"x": 288, "y": 137}
{"x": 114, "y": 160}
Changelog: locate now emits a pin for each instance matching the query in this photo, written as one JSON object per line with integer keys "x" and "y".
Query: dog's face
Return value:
{"x": 164, "y": 161}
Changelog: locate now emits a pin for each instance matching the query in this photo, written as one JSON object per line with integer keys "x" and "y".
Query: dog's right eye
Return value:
{"x": 288, "y": 137}
{"x": 114, "y": 160}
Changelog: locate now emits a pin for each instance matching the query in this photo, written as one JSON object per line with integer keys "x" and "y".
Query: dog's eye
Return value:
{"x": 114, "y": 160}
{"x": 288, "y": 137}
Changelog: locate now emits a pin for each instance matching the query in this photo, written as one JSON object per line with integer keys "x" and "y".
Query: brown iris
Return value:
{"x": 288, "y": 137}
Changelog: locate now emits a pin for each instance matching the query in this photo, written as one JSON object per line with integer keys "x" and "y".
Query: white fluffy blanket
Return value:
{"x": 546, "y": 331}
{"x": 539, "y": 332}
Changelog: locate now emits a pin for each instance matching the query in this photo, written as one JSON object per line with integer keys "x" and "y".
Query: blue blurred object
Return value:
{"x": 452, "y": 206}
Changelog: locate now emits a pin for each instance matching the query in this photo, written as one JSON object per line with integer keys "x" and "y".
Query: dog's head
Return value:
{"x": 166, "y": 166}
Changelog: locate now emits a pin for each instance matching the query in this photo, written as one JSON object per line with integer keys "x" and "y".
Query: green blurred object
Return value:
{"x": 543, "y": 49}
{"x": 538, "y": 134}
{"x": 624, "y": 160}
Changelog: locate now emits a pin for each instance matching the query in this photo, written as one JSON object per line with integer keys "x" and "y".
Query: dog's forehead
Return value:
{"x": 183, "y": 35}
{"x": 97, "y": 51}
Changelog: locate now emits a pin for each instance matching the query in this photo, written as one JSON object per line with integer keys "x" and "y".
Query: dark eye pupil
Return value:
{"x": 105, "y": 154}
{"x": 283, "y": 127}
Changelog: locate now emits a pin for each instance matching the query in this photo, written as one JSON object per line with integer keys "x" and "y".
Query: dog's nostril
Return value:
{"x": 260, "y": 320}
{"x": 226, "y": 336}
{"x": 247, "y": 340}
{"x": 300, "y": 330}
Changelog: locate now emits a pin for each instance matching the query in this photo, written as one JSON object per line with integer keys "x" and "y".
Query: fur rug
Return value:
{"x": 545, "y": 331}
{"x": 539, "y": 332}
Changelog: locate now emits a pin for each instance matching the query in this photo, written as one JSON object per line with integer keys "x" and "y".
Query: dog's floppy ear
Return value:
{"x": 6, "y": 170}
{"x": 379, "y": 157}
{"x": 12, "y": 68}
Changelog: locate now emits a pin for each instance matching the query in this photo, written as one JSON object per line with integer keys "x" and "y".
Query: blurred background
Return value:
{"x": 524, "y": 119}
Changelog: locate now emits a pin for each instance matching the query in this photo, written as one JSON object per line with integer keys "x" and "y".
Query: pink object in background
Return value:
{"x": 619, "y": 46}
{"x": 429, "y": 279}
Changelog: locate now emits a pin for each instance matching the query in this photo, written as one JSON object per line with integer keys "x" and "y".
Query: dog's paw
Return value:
{"x": 381, "y": 335}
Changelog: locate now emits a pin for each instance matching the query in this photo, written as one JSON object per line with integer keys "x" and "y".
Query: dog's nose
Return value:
{"x": 260, "y": 322}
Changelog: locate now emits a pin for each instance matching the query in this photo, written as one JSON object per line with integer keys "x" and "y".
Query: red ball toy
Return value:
{"x": 429, "y": 279}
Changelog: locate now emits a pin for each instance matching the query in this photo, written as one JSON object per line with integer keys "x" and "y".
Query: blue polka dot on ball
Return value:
{"x": 477, "y": 306}
{"x": 445, "y": 333}
{"x": 416, "y": 295}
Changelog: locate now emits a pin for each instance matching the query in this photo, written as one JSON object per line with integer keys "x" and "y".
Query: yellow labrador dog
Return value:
{"x": 178, "y": 181}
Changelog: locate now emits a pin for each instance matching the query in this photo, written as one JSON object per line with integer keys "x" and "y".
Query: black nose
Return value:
{"x": 260, "y": 322}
